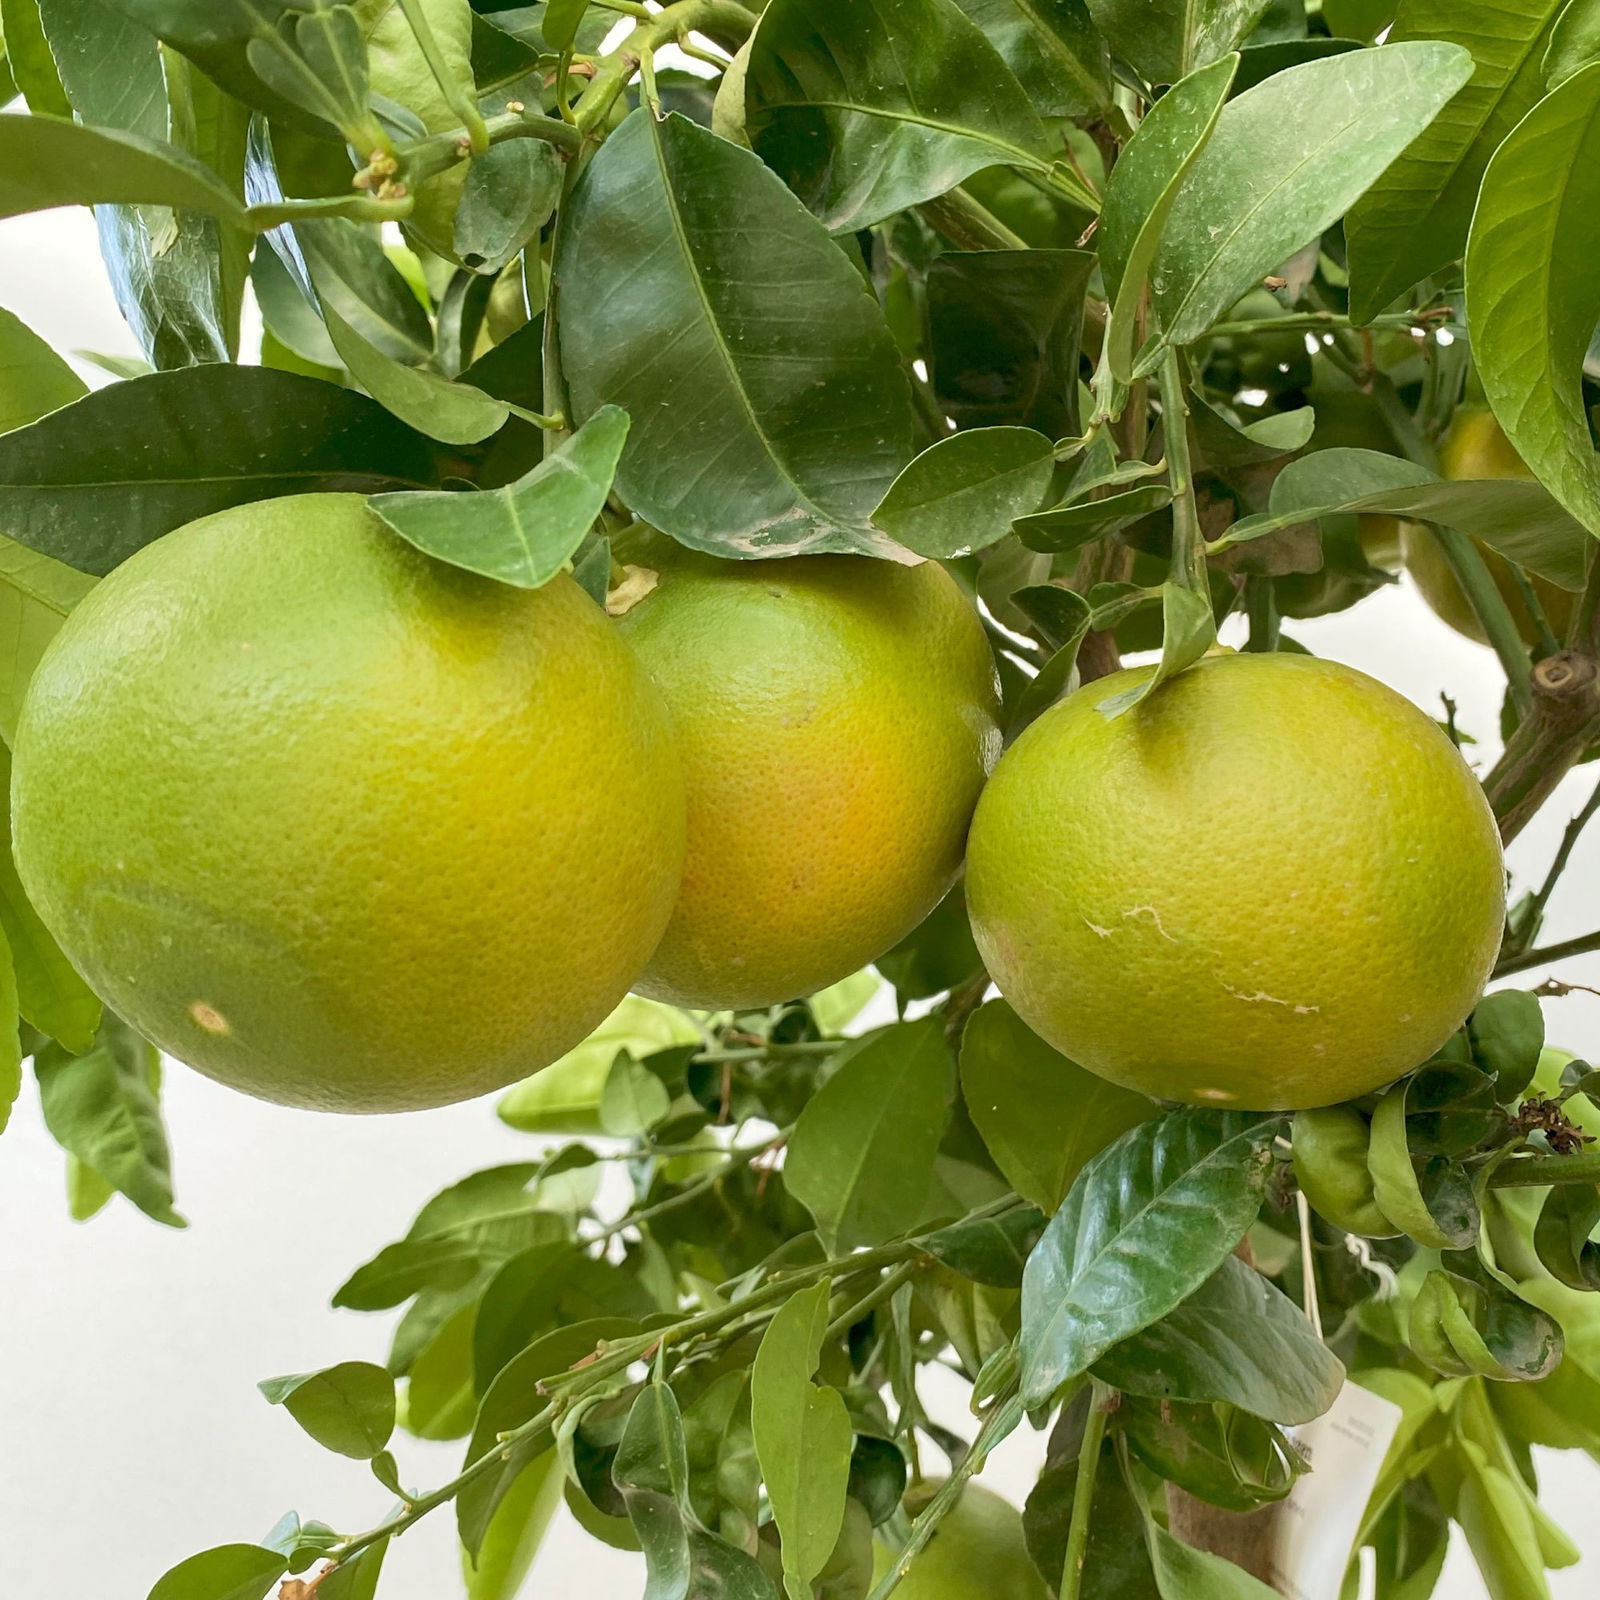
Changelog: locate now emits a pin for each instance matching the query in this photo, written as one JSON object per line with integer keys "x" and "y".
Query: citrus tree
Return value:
{"x": 676, "y": 536}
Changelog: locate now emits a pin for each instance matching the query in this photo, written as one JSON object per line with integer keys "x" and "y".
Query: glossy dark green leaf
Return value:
{"x": 1148, "y": 1220}
{"x": 1286, "y": 160}
{"x": 1506, "y": 1030}
{"x": 1168, "y": 39}
{"x": 1562, "y": 1236}
{"x": 512, "y": 1400}
{"x": 1531, "y": 314}
{"x": 47, "y": 162}
{"x": 1237, "y": 1339}
{"x": 937, "y": 955}
{"x": 861, "y": 1156}
{"x": 860, "y": 127}
{"x": 1258, "y": 62}
{"x": 1051, "y": 45}
{"x": 1003, "y": 329}
{"x": 102, "y": 1108}
{"x": 1222, "y": 442}
{"x": 990, "y": 1250}
{"x": 962, "y": 493}
{"x": 1519, "y": 518}
{"x": 509, "y": 194}
{"x": 802, "y": 1437}
{"x": 1414, "y": 219}
{"x": 355, "y": 277}
{"x": 731, "y": 450}
{"x": 348, "y": 1409}
{"x": 1217, "y": 1453}
{"x": 51, "y": 995}
{"x": 97, "y": 480}
{"x": 1042, "y": 1116}
{"x": 229, "y": 1572}
{"x": 1141, "y": 191}
{"x": 1067, "y": 527}
{"x": 1362, "y": 20}
{"x": 34, "y": 380}
{"x": 527, "y": 532}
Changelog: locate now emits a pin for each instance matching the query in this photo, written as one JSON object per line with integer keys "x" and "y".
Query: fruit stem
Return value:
{"x": 1490, "y": 608}
{"x": 1534, "y": 1172}
{"x": 1547, "y": 743}
{"x": 1261, "y": 605}
{"x": 1583, "y": 945}
{"x": 1094, "y": 1433}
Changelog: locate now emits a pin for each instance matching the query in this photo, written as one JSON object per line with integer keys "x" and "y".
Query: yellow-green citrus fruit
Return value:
{"x": 836, "y": 717}
{"x": 338, "y": 824}
{"x": 1474, "y": 447}
{"x": 976, "y": 1553}
{"x": 1273, "y": 884}
{"x": 400, "y": 72}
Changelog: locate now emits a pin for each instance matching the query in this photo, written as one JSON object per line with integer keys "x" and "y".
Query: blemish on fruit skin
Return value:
{"x": 1215, "y": 1095}
{"x": 209, "y": 1018}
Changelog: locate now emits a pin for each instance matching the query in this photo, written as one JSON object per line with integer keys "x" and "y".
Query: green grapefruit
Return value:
{"x": 1274, "y": 884}
{"x": 836, "y": 719}
{"x": 977, "y": 1552}
{"x": 338, "y": 824}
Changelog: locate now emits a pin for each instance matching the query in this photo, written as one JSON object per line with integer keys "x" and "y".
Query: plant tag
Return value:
{"x": 1318, "y": 1523}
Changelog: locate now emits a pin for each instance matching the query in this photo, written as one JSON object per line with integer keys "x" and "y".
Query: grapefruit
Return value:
{"x": 338, "y": 824}
{"x": 976, "y": 1552}
{"x": 836, "y": 719}
{"x": 1475, "y": 447}
{"x": 1274, "y": 884}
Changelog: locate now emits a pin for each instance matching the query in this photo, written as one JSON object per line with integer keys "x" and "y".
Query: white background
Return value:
{"x": 131, "y": 1433}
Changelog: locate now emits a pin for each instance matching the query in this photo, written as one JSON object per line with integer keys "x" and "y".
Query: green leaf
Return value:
{"x": 561, "y": 21}
{"x": 514, "y": 1398}
{"x": 348, "y": 1409}
{"x": 1169, "y": 39}
{"x": 1414, "y": 219}
{"x": 1188, "y": 631}
{"x": 515, "y": 1533}
{"x": 28, "y": 58}
{"x": 527, "y": 532}
{"x": 1145, "y": 1224}
{"x": 1052, "y": 47}
{"x": 1003, "y": 334}
{"x": 1409, "y": 1192}
{"x": 962, "y": 493}
{"x": 36, "y": 596}
{"x": 731, "y": 451}
{"x": 1041, "y": 1115}
{"x": 230, "y": 1572}
{"x": 1236, "y": 1339}
{"x": 435, "y": 405}
{"x": 33, "y": 378}
{"x": 1066, "y": 527}
{"x": 101, "y": 478}
{"x": 401, "y": 1270}
{"x": 10, "y": 1038}
{"x": 861, "y": 1156}
{"x": 1185, "y": 1573}
{"x": 1506, "y": 1031}
{"x": 803, "y": 1437}
{"x": 1562, "y": 1235}
{"x": 1531, "y": 311}
{"x": 440, "y": 1397}
{"x": 1465, "y": 1322}
{"x": 633, "y": 1100}
{"x": 1574, "y": 41}
{"x": 861, "y": 127}
{"x": 991, "y": 1250}
{"x": 47, "y": 162}
{"x": 509, "y": 193}
{"x": 1142, "y": 190}
{"x": 52, "y": 997}
{"x": 353, "y": 273}
{"x": 102, "y": 1108}
{"x": 937, "y": 955}
{"x": 1287, "y": 159}
{"x": 357, "y": 1579}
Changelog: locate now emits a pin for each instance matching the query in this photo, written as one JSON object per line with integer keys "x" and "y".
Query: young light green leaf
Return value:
{"x": 1145, "y": 1224}
{"x": 1042, "y": 1116}
{"x": 348, "y": 1409}
{"x": 1532, "y": 313}
{"x": 102, "y": 1107}
{"x": 561, "y": 21}
{"x": 803, "y": 1437}
{"x": 1414, "y": 219}
{"x": 1169, "y": 39}
{"x": 525, "y": 533}
{"x": 48, "y": 989}
{"x": 1236, "y": 1339}
{"x": 101, "y": 478}
{"x": 440, "y": 1397}
{"x": 1141, "y": 192}
{"x": 28, "y": 61}
{"x": 730, "y": 451}
{"x": 861, "y": 1156}
{"x": 47, "y": 162}
{"x": 1574, "y": 41}
{"x": 1188, "y": 630}
{"x": 962, "y": 493}
{"x": 515, "y": 1532}
{"x": 633, "y": 1099}
{"x": 1285, "y": 160}
{"x": 229, "y": 1572}
{"x": 36, "y": 596}
{"x": 33, "y": 378}
{"x": 453, "y": 412}
{"x": 860, "y": 127}
{"x": 1052, "y": 46}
